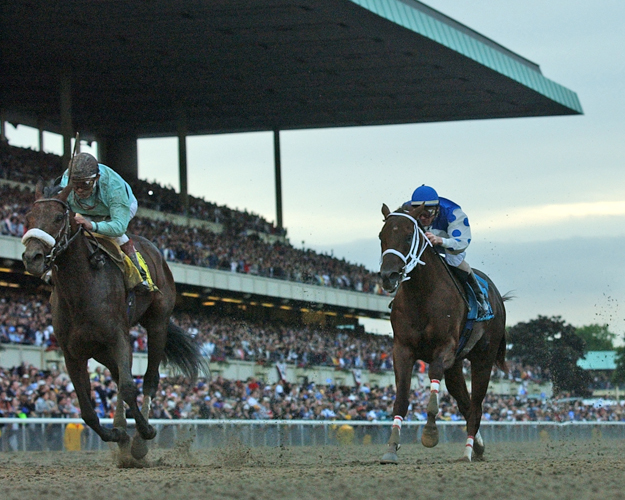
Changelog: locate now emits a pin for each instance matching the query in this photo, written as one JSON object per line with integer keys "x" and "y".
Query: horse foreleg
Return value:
{"x": 78, "y": 374}
{"x": 429, "y": 437}
{"x": 403, "y": 361}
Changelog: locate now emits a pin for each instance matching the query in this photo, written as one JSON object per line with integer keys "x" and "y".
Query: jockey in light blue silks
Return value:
{"x": 447, "y": 227}
{"x": 101, "y": 194}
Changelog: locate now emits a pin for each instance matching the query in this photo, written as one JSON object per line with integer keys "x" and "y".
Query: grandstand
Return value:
{"x": 227, "y": 264}
{"x": 260, "y": 302}
{"x": 246, "y": 329}
{"x": 222, "y": 258}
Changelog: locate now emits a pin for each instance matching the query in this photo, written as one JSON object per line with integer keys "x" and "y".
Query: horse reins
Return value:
{"x": 416, "y": 248}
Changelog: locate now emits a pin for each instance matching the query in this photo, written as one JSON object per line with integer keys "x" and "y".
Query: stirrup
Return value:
{"x": 482, "y": 308}
{"x": 143, "y": 287}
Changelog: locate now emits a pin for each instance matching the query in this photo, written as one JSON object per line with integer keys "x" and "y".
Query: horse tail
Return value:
{"x": 508, "y": 296}
{"x": 182, "y": 351}
{"x": 500, "y": 360}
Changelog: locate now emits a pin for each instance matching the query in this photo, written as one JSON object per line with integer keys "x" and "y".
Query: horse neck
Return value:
{"x": 432, "y": 275}
{"x": 73, "y": 262}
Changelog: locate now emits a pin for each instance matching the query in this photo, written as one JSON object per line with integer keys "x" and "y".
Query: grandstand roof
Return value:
{"x": 240, "y": 65}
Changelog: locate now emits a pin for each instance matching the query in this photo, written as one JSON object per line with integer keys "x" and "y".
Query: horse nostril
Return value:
{"x": 390, "y": 280}
{"x": 34, "y": 257}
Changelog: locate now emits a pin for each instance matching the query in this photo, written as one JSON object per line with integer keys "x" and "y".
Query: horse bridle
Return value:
{"x": 57, "y": 244}
{"x": 416, "y": 248}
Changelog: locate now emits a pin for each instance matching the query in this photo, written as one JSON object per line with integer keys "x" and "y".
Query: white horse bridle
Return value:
{"x": 416, "y": 248}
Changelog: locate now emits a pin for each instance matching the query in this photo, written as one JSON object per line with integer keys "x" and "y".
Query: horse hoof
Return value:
{"x": 119, "y": 435}
{"x": 389, "y": 458}
{"x": 429, "y": 438}
{"x": 149, "y": 434}
{"x": 139, "y": 448}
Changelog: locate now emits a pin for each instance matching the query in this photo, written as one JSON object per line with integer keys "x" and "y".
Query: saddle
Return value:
{"x": 467, "y": 339}
{"x": 129, "y": 271}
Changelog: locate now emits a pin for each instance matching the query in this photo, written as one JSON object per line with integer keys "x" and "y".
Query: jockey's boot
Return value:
{"x": 129, "y": 249}
{"x": 469, "y": 278}
{"x": 482, "y": 305}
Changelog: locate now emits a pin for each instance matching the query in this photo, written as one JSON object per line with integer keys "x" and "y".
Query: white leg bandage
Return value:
{"x": 468, "y": 448}
{"x": 397, "y": 422}
{"x": 435, "y": 386}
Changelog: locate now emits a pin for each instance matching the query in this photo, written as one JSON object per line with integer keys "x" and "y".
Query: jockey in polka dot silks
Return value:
{"x": 447, "y": 227}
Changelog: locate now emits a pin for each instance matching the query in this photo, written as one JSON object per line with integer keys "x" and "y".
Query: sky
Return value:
{"x": 545, "y": 196}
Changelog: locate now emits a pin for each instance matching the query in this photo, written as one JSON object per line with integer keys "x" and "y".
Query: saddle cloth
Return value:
{"x": 466, "y": 340}
{"x": 473, "y": 301}
{"x": 129, "y": 271}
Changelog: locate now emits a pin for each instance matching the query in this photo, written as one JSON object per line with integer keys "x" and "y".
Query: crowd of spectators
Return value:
{"x": 28, "y": 392}
{"x": 238, "y": 248}
{"x": 249, "y": 254}
{"x": 25, "y": 318}
{"x": 29, "y": 166}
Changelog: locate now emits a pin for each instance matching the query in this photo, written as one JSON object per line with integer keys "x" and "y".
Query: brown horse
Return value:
{"x": 92, "y": 313}
{"x": 428, "y": 316}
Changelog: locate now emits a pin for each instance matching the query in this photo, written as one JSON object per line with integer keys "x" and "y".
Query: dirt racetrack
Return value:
{"x": 552, "y": 470}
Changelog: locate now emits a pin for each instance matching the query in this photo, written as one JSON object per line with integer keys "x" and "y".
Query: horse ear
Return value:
{"x": 39, "y": 189}
{"x": 385, "y": 210}
{"x": 415, "y": 211}
{"x": 64, "y": 193}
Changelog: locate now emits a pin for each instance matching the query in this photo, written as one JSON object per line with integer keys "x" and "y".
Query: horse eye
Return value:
{"x": 59, "y": 217}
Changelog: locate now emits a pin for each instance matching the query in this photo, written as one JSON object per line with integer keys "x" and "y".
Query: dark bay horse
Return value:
{"x": 428, "y": 316}
{"x": 92, "y": 316}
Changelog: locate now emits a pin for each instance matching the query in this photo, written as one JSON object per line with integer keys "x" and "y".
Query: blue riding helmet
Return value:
{"x": 424, "y": 194}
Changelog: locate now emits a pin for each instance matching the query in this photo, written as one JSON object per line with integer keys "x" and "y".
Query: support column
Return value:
{"x": 120, "y": 153}
{"x": 67, "y": 128}
{"x": 40, "y": 130}
{"x": 182, "y": 161}
{"x": 278, "y": 174}
{"x": 3, "y": 134}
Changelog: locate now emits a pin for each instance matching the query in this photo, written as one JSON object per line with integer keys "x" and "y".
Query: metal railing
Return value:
{"x": 48, "y": 434}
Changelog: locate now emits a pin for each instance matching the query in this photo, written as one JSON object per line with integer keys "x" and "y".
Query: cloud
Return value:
{"x": 561, "y": 277}
{"x": 545, "y": 215}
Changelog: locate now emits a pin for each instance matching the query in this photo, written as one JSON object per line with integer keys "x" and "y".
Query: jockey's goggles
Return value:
{"x": 83, "y": 184}
{"x": 429, "y": 212}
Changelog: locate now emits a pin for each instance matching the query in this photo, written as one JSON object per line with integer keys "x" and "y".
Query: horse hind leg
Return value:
{"x": 457, "y": 387}
{"x": 475, "y": 448}
{"x": 139, "y": 448}
{"x": 478, "y": 446}
{"x": 429, "y": 437}
{"x": 157, "y": 335}
{"x": 119, "y": 422}
{"x": 128, "y": 392}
